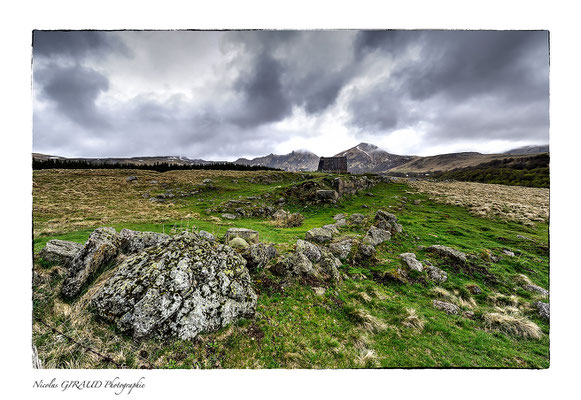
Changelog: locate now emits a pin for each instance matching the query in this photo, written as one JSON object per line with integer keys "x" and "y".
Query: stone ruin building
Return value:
{"x": 334, "y": 165}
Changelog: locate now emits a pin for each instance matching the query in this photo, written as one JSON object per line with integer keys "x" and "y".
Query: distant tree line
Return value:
{"x": 531, "y": 171}
{"x": 158, "y": 166}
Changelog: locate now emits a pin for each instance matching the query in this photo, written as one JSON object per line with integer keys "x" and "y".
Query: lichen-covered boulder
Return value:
{"x": 238, "y": 243}
{"x": 98, "y": 252}
{"x": 376, "y": 236}
{"x": 387, "y": 221}
{"x": 131, "y": 242}
{"x": 207, "y": 235}
{"x": 249, "y": 235}
{"x": 258, "y": 255}
{"x": 319, "y": 235}
{"x": 447, "y": 252}
{"x": 436, "y": 274}
{"x": 294, "y": 264}
{"x": 328, "y": 266}
{"x": 356, "y": 219}
{"x": 536, "y": 289}
{"x": 448, "y": 308}
{"x": 544, "y": 310}
{"x": 60, "y": 251}
{"x": 309, "y": 249}
{"x": 341, "y": 249}
{"x": 327, "y": 195}
{"x": 409, "y": 259}
{"x": 180, "y": 288}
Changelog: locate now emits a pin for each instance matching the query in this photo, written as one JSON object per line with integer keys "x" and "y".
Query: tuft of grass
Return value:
{"x": 513, "y": 325}
{"x": 413, "y": 320}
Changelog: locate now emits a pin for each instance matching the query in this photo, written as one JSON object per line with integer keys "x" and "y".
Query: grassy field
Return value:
{"x": 365, "y": 321}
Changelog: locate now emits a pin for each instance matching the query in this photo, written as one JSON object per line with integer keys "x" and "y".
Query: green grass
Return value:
{"x": 358, "y": 323}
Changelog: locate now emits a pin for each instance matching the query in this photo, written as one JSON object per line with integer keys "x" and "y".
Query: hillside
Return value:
{"x": 366, "y": 157}
{"x": 294, "y": 161}
{"x": 468, "y": 297}
{"x": 529, "y": 150}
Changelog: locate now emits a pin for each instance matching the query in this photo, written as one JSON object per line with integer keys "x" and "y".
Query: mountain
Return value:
{"x": 529, "y": 150}
{"x": 366, "y": 157}
{"x": 294, "y": 161}
{"x": 127, "y": 160}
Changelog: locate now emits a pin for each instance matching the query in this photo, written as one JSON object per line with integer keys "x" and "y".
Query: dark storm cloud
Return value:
{"x": 504, "y": 74}
{"x": 73, "y": 90}
{"x": 451, "y": 85}
{"x": 77, "y": 44}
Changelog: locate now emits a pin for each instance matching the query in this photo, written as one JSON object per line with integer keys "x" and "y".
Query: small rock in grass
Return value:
{"x": 449, "y": 308}
{"x": 410, "y": 260}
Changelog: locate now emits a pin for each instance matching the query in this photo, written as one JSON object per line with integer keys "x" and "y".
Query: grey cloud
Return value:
{"x": 77, "y": 44}
{"x": 74, "y": 90}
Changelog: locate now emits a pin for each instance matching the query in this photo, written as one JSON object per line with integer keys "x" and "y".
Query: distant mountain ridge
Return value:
{"x": 364, "y": 157}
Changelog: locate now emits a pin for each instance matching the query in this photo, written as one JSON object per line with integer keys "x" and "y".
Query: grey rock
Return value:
{"x": 258, "y": 255}
{"x": 319, "y": 235}
{"x": 99, "y": 251}
{"x": 60, "y": 251}
{"x": 387, "y": 221}
{"x": 444, "y": 251}
{"x": 508, "y": 252}
{"x": 436, "y": 274}
{"x": 319, "y": 291}
{"x": 468, "y": 314}
{"x": 365, "y": 251}
{"x": 544, "y": 310}
{"x": 331, "y": 228}
{"x": 449, "y": 308}
{"x": 238, "y": 243}
{"x": 356, "y": 219}
{"x": 376, "y": 236}
{"x": 341, "y": 249}
{"x": 294, "y": 264}
{"x": 329, "y": 266}
{"x": 247, "y": 234}
{"x": 228, "y": 216}
{"x": 131, "y": 178}
{"x": 536, "y": 289}
{"x": 327, "y": 195}
{"x": 309, "y": 249}
{"x": 207, "y": 235}
{"x": 207, "y": 181}
{"x": 131, "y": 242}
{"x": 474, "y": 289}
{"x": 410, "y": 260}
{"x": 178, "y": 289}
{"x": 339, "y": 217}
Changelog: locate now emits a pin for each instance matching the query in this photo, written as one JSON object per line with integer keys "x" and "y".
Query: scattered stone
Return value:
{"x": 295, "y": 264}
{"x": 319, "y": 291}
{"x": 339, "y": 217}
{"x": 398, "y": 276}
{"x": 329, "y": 266}
{"x": 536, "y": 289}
{"x": 449, "y": 308}
{"x": 131, "y": 178}
{"x": 387, "y": 221}
{"x": 327, "y": 195}
{"x": 357, "y": 219}
{"x": 417, "y": 202}
{"x": 410, "y": 260}
{"x": 258, "y": 255}
{"x": 131, "y": 242}
{"x": 319, "y": 235}
{"x": 207, "y": 181}
{"x": 99, "y": 251}
{"x": 60, "y": 251}
{"x": 177, "y": 289}
{"x": 364, "y": 206}
{"x": 376, "y": 236}
{"x": 249, "y": 235}
{"x": 341, "y": 249}
{"x": 508, "y": 252}
{"x": 331, "y": 228}
{"x": 436, "y": 274}
{"x": 523, "y": 237}
{"x": 365, "y": 251}
{"x": 468, "y": 314}
{"x": 207, "y": 235}
{"x": 543, "y": 308}
{"x": 309, "y": 249}
{"x": 474, "y": 289}
{"x": 228, "y": 216}
{"x": 154, "y": 182}
{"x": 452, "y": 254}
{"x": 238, "y": 243}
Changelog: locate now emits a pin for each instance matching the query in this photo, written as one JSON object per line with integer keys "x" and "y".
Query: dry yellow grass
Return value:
{"x": 514, "y": 203}
{"x": 512, "y": 324}
{"x": 70, "y": 200}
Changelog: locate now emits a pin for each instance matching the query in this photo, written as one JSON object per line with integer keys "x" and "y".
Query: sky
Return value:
{"x": 221, "y": 95}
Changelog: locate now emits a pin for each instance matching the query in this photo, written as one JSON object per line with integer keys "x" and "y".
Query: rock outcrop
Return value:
{"x": 131, "y": 242}
{"x": 453, "y": 255}
{"x": 258, "y": 255}
{"x": 249, "y": 235}
{"x": 179, "y": 288}
{"x": 319, "y": 235}
{"x": 544, "y": 310}
{"x": 387, "y": 221}
{"x": 409, "y": 259}
{"x": 376, "y": 236}
{"x": 99, "y": 251}
{"x": 60, "y": 251}
{"x": 448, "y": 308}
{"x": 536, "y": 289}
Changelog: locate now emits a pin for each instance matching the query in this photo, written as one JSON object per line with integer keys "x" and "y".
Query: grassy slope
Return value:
{"x": 359, "y": 323}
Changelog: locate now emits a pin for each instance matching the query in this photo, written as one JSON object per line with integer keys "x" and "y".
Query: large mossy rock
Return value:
{"x": 99, "y": 251}
{"x": 178, "y": 289}
{"x": 60, "y": 251}
{"x": 132, "y": 242}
